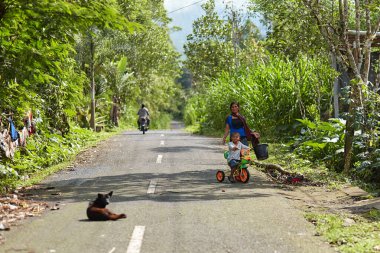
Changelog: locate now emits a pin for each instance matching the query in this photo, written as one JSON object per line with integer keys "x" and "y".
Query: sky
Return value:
{"x": 185, "y": 17}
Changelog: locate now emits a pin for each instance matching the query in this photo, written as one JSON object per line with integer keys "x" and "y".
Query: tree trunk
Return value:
{"x": 355, "y": 83}
{"x": 377, "y": 81}
{"x": 350, "y": 131}
{"x": 92, "y": 79}
{"x": 357, "y": 48}
{"x": 115, "y": 111}
{"x": 336, "y": 87}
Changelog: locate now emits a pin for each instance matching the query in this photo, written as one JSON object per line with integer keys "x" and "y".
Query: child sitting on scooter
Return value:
{"x": 236, "y": 150}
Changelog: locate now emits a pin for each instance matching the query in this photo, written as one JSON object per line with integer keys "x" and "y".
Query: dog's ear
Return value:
{"x": 110, "y": 194}
{"x": 100, "y": 195}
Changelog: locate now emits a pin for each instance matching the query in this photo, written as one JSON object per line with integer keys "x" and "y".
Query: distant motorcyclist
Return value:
{"x": 143, "y": 114}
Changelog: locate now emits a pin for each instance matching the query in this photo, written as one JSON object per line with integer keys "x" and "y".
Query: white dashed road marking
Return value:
{"x": 112, "y": 250}
{"x": 162, "y": 143}
{"x": 136, "y": 240}
{"x": 162, "y": 135}
{"x": 152, "y": 187}
{"x": 159, "y": 159}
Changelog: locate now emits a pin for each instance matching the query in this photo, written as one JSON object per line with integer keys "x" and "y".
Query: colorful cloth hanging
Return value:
{"x": 30, "y": 124}
{"x": 12, "y": 130}
{"x": 7, "y": 145}
{"x": 23, "y": 135}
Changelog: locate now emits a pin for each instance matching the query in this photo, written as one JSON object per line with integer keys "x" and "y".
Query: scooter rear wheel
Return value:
{"x": 220, "y": 176}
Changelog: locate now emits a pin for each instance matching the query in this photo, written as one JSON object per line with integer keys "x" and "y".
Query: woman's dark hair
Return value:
{"x": 142, "y": 106}
{"x": 234, "y": 103}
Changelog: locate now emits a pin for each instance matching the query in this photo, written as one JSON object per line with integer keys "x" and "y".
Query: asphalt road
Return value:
{"x": 165, "y": 182}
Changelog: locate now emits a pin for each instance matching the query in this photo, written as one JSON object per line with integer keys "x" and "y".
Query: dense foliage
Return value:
{"x": 219, "y": 44}
{"x": 272, "y": 95}
{"x": 81, "y": 63}
{"x": 37, "y": 43}
{"x": 324, "y": 141}
{"x": 291, "y": 29}
{"x": 286, "y": 90}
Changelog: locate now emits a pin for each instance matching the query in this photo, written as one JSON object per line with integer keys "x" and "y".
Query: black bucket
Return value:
{"x": 261, "y": 151}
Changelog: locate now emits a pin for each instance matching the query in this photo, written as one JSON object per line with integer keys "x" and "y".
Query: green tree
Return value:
{"x": 344, "y": 29}
{"x": 209, "y": 48}
{"x": 217, "y": 45}
{"x": 362, "y": 20}
{"x": 151, "y": 56}
{"x": 291, "y": 28}
{"x": 37, "y": 47}
{"x": 148, "y": 57}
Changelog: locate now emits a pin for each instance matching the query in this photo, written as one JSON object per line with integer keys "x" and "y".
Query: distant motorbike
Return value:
{"x": 143, "y": 125}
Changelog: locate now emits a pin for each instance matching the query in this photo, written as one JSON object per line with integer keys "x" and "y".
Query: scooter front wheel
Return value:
{"x": 220, "y": 176}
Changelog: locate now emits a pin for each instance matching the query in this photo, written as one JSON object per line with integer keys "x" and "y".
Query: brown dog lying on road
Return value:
{"x": 97, "y": 210}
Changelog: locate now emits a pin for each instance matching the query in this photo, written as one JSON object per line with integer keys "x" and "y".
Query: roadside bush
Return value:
{"x": 324, "y": 141}
{"x": 195, "y": 110}
{"x": 272, "y": 94}
{"x": 43, "y": 151}
{"x": 160, "y": 121}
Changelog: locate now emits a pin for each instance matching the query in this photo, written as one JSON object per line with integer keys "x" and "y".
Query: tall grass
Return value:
{"x": 272, "y": 95}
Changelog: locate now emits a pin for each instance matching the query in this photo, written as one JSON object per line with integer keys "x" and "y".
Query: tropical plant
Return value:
{"x": 345, "y": 30}
{"x": 322, "y": 141}
{"x": 37, "y": 47}
{"x": 335, "y": 26}
{"x": 272, "y": 95}
{"x": 65, "y": 60}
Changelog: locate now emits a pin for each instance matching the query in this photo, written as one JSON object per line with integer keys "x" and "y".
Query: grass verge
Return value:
{"x": 349, "y": 233}
{"x": 313, "y": 171}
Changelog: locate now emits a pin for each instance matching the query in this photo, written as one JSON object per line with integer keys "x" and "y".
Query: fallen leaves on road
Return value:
{"x": 14, "y": 208}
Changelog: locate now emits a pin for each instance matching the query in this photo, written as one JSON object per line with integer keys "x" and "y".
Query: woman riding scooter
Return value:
{"x": 143, "y": 115}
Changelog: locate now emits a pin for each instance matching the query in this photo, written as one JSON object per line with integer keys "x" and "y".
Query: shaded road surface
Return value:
{"x": 165, "y": 182}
